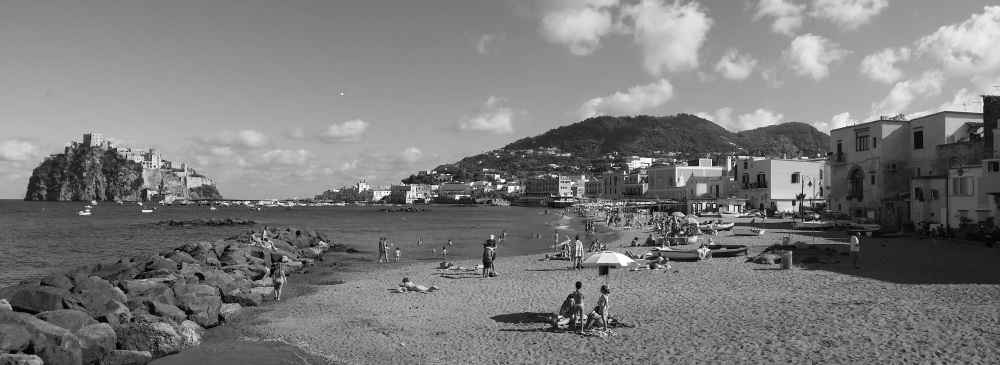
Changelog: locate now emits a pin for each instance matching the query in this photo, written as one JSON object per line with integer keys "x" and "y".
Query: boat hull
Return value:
{"x": 676, "y": 254}
{"x": 748, "y": 231}
{"x": 727, "y": 250}
{"x": 813, "y": 225}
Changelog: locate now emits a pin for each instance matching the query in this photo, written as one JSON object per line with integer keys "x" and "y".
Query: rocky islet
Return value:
{"x": 138, "y": 309}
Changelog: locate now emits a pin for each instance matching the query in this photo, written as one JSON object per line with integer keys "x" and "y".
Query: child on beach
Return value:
{"x": 397, "y": 254}
{"x": 578, "y": 305}
{"x": 444, "y": 251}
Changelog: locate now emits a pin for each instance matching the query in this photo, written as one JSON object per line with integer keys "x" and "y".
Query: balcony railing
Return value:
{"x": 754, "y": 185}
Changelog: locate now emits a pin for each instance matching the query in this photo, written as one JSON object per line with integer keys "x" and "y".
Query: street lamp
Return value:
{"x": 947, "y": 193}
{"x": 802, "y": 193}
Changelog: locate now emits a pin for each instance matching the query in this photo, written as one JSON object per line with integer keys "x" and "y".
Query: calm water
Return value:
{"x": 43, "y": 238}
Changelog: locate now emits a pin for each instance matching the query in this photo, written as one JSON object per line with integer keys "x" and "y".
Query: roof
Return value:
{"x": 906, "y": 121}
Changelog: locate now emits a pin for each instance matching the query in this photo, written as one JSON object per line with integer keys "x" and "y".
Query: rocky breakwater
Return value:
{"x": 137, "y": 309}
{"x": 207, "y": 222}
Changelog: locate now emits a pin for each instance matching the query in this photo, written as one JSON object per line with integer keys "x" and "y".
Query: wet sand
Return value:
{"x": 912, "y": 301}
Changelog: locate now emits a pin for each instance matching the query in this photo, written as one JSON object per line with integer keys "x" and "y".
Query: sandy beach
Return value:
{"x": 912, "y": 301}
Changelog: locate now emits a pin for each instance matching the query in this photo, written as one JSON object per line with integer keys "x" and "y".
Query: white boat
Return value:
{"x": 83, "y": 212}
{"x": 674, "y": 254}
{"x": 147, "y": 210}
{"x": 213, "y": 208}
{"x": 719, "y": 226}
{"x": 813, "y": 225}
{"x": 748, "y": 231}
{"x": 87, "y": 206}
{"x": 93, "y": 202}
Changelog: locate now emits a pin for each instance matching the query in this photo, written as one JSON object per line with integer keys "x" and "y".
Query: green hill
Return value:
{"x": 599, "y": 143}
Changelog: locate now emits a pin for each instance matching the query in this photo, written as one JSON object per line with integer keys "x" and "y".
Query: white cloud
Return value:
{"x": 221, "y": 151}
{"x": 811, "y": 55}
{"x": 838, "y": 121}
{"x": 17, "y": 150}
{"x": 281, "y": 157}
{"x": 964, "y": 101}
{"x": 670, "y": 35}
{"x": 771, "y": 77}
{"x": 787, "y": 15}
{"x": 349, "y": 131}
{"x": 490, "y": 118}
{"x": 969, "y": 49}
{"x": 577, "y": 25}
{"x": 296, "y": 133}
{"x": 638, "y": 99}
{"x": 759, "y": 118}
{"x": 482, "y": 45}
{"x": 880, "y": 66}
{"x": 904, "y": 92}
{"x": 735, "y": 66}
{"x": 244, "y": 138}
{"x": 722, "y": 116}
{"x": 848, "y": 14}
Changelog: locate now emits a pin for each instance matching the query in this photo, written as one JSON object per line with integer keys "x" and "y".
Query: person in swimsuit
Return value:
{"x": 279, "y": 278}
{"x": 601, "y": 310}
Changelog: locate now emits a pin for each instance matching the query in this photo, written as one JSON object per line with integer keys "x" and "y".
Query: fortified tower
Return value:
{"x": 92, "y": 140}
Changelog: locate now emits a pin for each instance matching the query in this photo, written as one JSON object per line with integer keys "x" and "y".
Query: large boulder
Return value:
{"x": 159, "y": 339}
{"x": 53, "y": 344}
{"x": 126, "y": 357}
{"x": 234, "y": 257}
{"x": 283, "y": 246}
{"x": 95, "y": 302}
{"x": 13, "y": 338}
{"x": 34, "y": 298}
{"x": 5, "y": 306}
{"x": 244, "y": 297}
{"x": 264, "y": 291}
{"x": 261, "y": 253}
{"x": 20, "y": 359}
{"x": 91, "y": 283}
{"x": 217, "y": 278}
{"x": 105, "y": 269}
{"x": 160, "y": 263}
{"x": 58, "y": 281}
{"x": 203, "y": 310}
{"x": 160, "y": 294}
{"x": 166, "y": 311}
{"x": 229, "y": 311}
{"x": 67, "y": 318}
{"x": 133, "y": 288}
{"x": 257, "y": 272}
{"x": 181, "y": 257}
{"x": 96, "y": 341}
{"x": 126, "y": 274}
{"x": 115, "y": 313}
{"x": 191, "y": 333}
{"x": 310, "y": 252}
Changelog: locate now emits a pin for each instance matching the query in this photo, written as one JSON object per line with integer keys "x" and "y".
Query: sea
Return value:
{"x": 45, "y": 238}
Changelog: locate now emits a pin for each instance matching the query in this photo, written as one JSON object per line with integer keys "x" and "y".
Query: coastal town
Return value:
{"x": 941, "y": 169}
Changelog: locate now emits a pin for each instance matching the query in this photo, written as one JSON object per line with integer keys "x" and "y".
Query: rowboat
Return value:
{"x": 147, "y": 210}
{"x": 673, "y": 254}
{"x": 83, "y": 212}
{"x": 813, "y": 225}
{"x": 719, "y": 227}
{"x": 727, "y": 250}
{"x": 748, "y": 231}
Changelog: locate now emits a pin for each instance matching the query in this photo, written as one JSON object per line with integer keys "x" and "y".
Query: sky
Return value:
{"x": 249, "y": 92}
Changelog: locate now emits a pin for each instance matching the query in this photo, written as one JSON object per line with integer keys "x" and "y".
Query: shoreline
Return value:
{"x": 773, "y": 315}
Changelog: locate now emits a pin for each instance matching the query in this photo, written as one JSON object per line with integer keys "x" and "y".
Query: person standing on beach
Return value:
{"x": 279, "y": 278}
{"x": 397, "y": 254}
{"x": 578, "y": 254}
{"x": 382, "y": 250}
{"x": 578, "y": 306}
{"x": 855, "y": 249}
{"x": 556, "y": 242}
{"x": 444, "y": 251}
{"x": 488, "y": 255}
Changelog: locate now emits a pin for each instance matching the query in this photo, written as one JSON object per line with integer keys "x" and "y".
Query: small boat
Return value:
{"x": 719, "y": 226}
{"x": 93, "y": 202}
{"x": 147, "y": 210}
{"x": 83, "y": 212}
{"x": 748, "y": 231}
{"x": 813, "y": 225}
{"x": 674, "y": 254}
{"x": 87, "y": 206}
{"x": 727, "y": 250}
{"x": 213, "y": 208}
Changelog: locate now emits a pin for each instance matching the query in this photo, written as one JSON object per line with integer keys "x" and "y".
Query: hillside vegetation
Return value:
{"x": 590, "y": 142}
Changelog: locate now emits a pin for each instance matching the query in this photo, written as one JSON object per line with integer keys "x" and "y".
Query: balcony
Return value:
{"x": 754, "y": 185}
{"x": 838, "y": 158}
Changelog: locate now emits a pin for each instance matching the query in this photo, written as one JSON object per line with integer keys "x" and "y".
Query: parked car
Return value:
{"x": 987, "y": 233}
{"x": 806, "y": 214}
{"x": 840, "y": 220}
{"x": 865, "y": 225}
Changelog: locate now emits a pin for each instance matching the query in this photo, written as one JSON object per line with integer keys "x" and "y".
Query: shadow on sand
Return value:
{"x": 523, "y": 317}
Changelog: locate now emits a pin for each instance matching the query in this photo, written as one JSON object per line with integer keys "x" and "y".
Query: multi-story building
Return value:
{"x": 667, "y": 181}
{"x": 875, "y": 167}
{"x": 636, "y": 162}
{"x": 455, "y": 190}
{"x": 774, "y": 184}
{"x": 990, "y": 182}
{"x": 93, "y": 140}
{"x": 409, "y": 194}
{"x": 376, "y": 194}
{"x": 593, "y": 188}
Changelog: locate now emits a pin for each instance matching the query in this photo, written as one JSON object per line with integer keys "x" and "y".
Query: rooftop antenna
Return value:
{"x": 966, "y": 104}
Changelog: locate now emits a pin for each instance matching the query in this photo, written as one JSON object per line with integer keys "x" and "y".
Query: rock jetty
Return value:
{"x": 137, "y": 309}
{"x": 207, "y": 222}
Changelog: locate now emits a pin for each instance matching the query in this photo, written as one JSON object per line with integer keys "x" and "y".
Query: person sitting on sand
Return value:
{"x": 410, "y": 286}
{"x": 566, "y": 310}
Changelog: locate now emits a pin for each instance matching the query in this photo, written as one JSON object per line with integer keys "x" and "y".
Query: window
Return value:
{"x": 795, "y": 178}
{"x": 960, "y": 186}
{"x": 918, "y": 193}
{"x": 793, "y": 202}
{"x": 874, "y": 142}
{"x": 840, "y": 151}
{"x": 873, "y": 179}
{"x": 918, "y": 171}
{"x": 918, "y": 139}
{"x": 992, "y": 166}
{"x": 934, "y": 194}
{"x": 744, "y": 165}
{"x": 861, "y": 143}
{"x": 893, "y": 167}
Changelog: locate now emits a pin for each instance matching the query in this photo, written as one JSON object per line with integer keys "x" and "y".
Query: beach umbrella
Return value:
{"x": 689, "y": 220}
{"x": 677, "y": 214}
{"x": 610, "y": 259}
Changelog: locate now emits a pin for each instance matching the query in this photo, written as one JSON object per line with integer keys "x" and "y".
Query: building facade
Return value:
{"x": 409, "y": 194}
{"x": 774, "y": 184}
{"x": 668, "y": 181}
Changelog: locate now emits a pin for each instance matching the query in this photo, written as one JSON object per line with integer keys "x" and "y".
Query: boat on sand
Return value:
{"x": 813, "y": 225}
{"x": 675, "y": 254}
{"x": 727, "y": 250}
{"x": 748, "y": 231}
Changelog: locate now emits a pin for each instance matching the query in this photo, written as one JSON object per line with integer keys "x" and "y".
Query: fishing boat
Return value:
{"x": 813, "y": 225}
{"x": 83, "y": 212}
{"x": 719, "y": 226}
{"x": 748, "y": 231}
{"x": 727, "y": 250}
{"x": 561, "y": 202}
{"x": 147, "y": 210}
{"x": 674, "y": 254}
{"x": 213, "y": 208}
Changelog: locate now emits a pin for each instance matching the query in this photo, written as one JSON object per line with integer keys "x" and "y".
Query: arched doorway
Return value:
{"x": 856, "y": 184}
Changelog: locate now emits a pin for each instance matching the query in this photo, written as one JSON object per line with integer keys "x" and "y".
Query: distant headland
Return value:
{"x": 96, "y": 169}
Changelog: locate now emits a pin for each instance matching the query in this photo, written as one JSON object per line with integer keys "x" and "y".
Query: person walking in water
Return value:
{"x": 383, "y": 250}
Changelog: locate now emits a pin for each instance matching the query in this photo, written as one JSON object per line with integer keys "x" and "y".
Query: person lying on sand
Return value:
{"x": 408, "y": 285}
